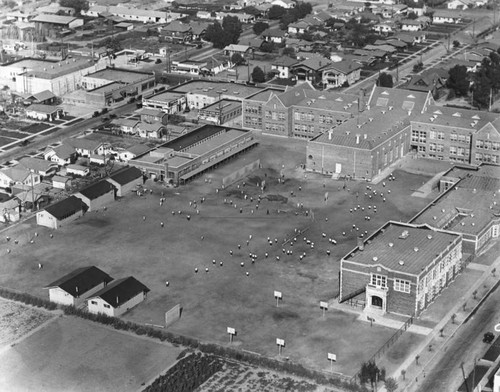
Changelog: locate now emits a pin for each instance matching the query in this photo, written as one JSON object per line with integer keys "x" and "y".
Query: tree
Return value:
{"x": 458, "y": 80}
{"x": 385, "y": 80}
{"x": 232, "y": 28}
{"x": 276, "y": 12}
{"x": 289, "y": 51}
{"x": 391, "y": 385}
{"x": 456, "y": 44}
{"x": 237, "y": 59}
{"x": 267, "y": 47}
{"x": 112, "y": 45}
{"x": 78, "y": 5}
{"x": 412, "y": 15}
{"x": 418, "y": 67}
{"x": 258, "y": 75}
{"x": 369, "y": 373}
{"x": 215, "y": 35}
{"x": 260, "y": 27}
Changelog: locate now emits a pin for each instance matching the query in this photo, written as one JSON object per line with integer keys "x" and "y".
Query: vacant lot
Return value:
{"x": 128, "y": 239}
{"x": 76, "y": 355}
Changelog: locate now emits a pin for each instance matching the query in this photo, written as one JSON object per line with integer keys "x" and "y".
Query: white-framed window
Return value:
{"x": 93, "y": 302}
{"x": 106, "y": 306}
{"x": 379, "y": 280}
{"x": 402, "y": 285}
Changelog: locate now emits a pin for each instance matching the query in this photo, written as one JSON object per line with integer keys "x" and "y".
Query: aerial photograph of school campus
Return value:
{"x": 249, "y": 195}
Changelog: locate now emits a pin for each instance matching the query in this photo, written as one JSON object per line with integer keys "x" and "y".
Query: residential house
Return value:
{"x": 243, "y": 50}
{"x": 215, "y": 66}
{"x": 45, "y": 22}
{"x": 126, "y": 154}
{"x": 205, "y": 15}
{"x": 9, "y": 209}
{"x": 39, "y": 166}
{"x": 384, "y": 27}
{"x": 282, "y": 66}
{"x": 72, "y": 289}
{"x": 430, "y": 82}
{"x": 287, "y": 4}
{"x": 198, "y": 29}
{"x": 151, "y": 130}
{"x": 444, "y": 16}
{"x": 86, "y": 147}
{"x": 126, "y": 125}
{"x": 460, "y": 4}
{"x": 310, "y": 69}
{"x": 125, "y": 180}
{"x": 299, "y": 27}
{"x": 177, "y": 31}
{"x": 341, "y": 73}
{"x": 62, "y": 155}
{"x": 97, "y": 195}
{"x": 18, "y": 177}
{"x": 152, "y": 116}
{"x": 61, "y": 213}
{"x": 191, "y": 67}
{"x": 412, "y": 25}
{"x": 118, "y": 297}
{"x": 274, "y": 35}
{"x": 32, "y": 199}
{"x": 44, "y": 112}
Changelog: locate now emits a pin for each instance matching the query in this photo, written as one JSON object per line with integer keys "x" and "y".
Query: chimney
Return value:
{"x": 361, "y": 244}
{"x": 117, "y": 300}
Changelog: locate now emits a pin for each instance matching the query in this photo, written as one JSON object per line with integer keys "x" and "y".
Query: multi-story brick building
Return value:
{"x": 364, "y": 145}
{"x": 401, "y": 268}
{"x": 252, "y": 108}
{"x": 469, "y": 205}
{"x": 458, "y": 135}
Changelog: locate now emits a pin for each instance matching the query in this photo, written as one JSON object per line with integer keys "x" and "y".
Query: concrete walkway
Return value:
{"x": 426, "y": 189}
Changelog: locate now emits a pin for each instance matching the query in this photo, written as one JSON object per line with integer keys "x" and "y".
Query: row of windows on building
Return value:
{"x": 487, "y": 145}
{"x": 270, "y": 115}
{"x": 380, "y": 281}
{"x": 421, "y": 136}
{"x": 275, "y": 128}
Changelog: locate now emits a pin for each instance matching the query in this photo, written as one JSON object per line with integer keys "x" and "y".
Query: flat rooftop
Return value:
{"x": 107, "y": 87}
{"x": 224, "y": 105}
{"x": 214, "y": 142}
{"x": 402, "y": 247}
{"x": 120, "y": 75}
{"x": 50, "y": 69}
{"x": 212, "y": 88}
{"x": 177, "y": 161}
{"x": 165, "y": 96}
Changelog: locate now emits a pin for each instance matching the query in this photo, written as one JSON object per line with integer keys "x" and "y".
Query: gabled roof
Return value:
{"x": 177, "y": 27}
{"x": 65, "y": 208}
{"x": 345, "y": 66}
{"x": 40, "y": 108}
{"x": 96, "y": 190}
{"x": 314, "y": 63}
{"x": 43, "y": 95}
{"x": 63, "y": 151}
{"x": 198, "y": 27}
{"x": 237, "y": 48}
{"x": 284, "y": 61}
{"x": 81, "y": 280}
{"x": 150, "y": 127}
{"x": 138, "y": 149}
{"x": 16, "y": 174}
{"x": 126, "y": 175}
{"x": 150, "y": 112}
{"x": 273, "y": 33}
{"x": 36, "y": 164}
{"x": 125, "y": 122}
{"x": 120, "y": 291}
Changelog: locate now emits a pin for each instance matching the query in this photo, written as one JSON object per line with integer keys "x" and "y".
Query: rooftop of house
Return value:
{"x": 97, "y": 189}
{"x": 274, "y": 33}
{"x": 344, "y": 66}
{"x": 137, "y": 12}
{"x": 65, "y": 207}
{"x": 83, "y": 143}
{"x": 284, "y": 61}
{"x": 17, "y": 173}
{"x": 54, "y": 19}
{"x": 177, "y": 26}
{"x": 237, "y": 48}
{"x": 120, "y": 291}
{"x": 41, "y": 108}
{"x": 314, "y": 63}
{"x": 147, "y": 127}
{"x": 81, "y": 280}
{"x": 138, "y": 149}
{"x": 36, "y": 164}
{"x": 150, "y": 112}
{"x": 125, "y": 122}
{"x": 402, "y": 247}
{"x": 43, "y": 96}
{"x": 198, "y": 27}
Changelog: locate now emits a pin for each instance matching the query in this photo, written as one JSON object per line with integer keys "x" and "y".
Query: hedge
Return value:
{"x": 207, "y": 348}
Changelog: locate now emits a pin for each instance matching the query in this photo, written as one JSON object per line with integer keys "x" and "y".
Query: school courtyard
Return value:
{"x": 225, "y": 235}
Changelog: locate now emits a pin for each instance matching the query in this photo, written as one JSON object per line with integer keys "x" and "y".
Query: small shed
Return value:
{"x": 125, "y": 180}
{"x": 118, "y": 297}
{"x": 73, "y": 288}
{"x": 61, "y": 213}
{"x": 78, "y": 170}
{"x": 60, "y": 182}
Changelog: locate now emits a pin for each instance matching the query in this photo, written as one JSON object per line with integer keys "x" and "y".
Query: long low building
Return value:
{"x": 61, "y": 213}
{"x": 179, "y": 160}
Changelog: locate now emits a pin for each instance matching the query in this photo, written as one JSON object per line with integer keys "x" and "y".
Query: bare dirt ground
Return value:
{"x": 127, "y": 239}
{"x": 17, "y": 320}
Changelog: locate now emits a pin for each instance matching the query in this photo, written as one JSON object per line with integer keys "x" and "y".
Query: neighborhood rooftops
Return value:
{"x": 81, "y": 280}
{"x": 49, "y": 69}
{"x": 55, "y": 19}
{"x": 45, "y": 109}
{"x": 96, "y": 190}
{"x": 65, "y": 208}
{"x": 402, "y": 247}
{"x": 120, "y": 291}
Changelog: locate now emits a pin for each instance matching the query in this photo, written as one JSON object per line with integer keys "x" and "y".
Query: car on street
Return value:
{"x": 488, "y": 337}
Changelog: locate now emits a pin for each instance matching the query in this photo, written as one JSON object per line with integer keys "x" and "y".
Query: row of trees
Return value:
{"x": 227, "y": 33}
{"x": 287, "y": 16}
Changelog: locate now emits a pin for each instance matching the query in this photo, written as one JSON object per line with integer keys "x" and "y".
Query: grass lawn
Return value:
{"x": 120, "y": 242}
{"x": 84, "y": 356}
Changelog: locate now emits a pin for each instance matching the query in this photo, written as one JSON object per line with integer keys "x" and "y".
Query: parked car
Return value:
{"x": 488, "y": 337}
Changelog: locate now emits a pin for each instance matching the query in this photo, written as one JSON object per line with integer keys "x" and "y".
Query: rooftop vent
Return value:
{"x": 401, "y": 262}
{"x": 429, "y": 237}
{"x": 434, "y": 217}
{"x": 383, "y": 111}
{"x": 404, "y": 234}
{"x": 359, "y": 125}
{"x": 370, "y": 119}
{"x": 375, "y": 258}
{"x": 391, "y": 244}
{"x": 391, "y": 107}
{"x": 415, "y": 249}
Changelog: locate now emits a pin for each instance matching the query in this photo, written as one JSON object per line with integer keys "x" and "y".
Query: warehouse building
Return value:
{"x": 189, "y": 155}
{"x": 125, "y": 180}
{"x": 401, "y": 268}
{"x": 97, "y": 195}
{"x": 61, "y": 213}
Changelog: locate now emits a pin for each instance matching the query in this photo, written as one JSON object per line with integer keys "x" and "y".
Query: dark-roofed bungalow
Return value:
{"x": 125, "y": 180}
{"x": 73, "y": 288}
{"x": 97, "y": 195}
{"x": 401, "y": 268}
{"x": 61, "y": 213}
{"x": 118, "y": 297}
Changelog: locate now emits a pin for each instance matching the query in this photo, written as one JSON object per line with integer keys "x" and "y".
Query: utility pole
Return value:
{"x": 474, "y": 375}
{"x": 465, "y": 379}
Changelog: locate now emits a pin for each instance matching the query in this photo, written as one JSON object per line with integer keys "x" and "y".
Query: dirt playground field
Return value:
{"x": 127, "y": 239}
